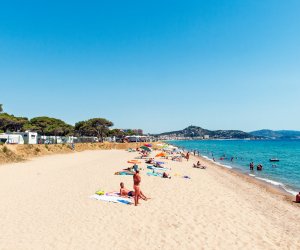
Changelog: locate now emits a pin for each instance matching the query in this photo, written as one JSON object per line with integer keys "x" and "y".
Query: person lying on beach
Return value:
{"x": 125, "y": 192}
{"x": 176, "y": 158}
{"x": 132, "y": 169}
{"x": 298, "y": 198}
{"x": 150, "y": 161}
{"x": 158, "y": 165}
{"x": 165, "y": 175}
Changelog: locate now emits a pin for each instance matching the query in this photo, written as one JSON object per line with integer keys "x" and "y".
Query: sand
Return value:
{"x": 45, "y": 204}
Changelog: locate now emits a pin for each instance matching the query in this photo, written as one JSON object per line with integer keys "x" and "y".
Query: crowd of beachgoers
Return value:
{"x": 153, "y": 160}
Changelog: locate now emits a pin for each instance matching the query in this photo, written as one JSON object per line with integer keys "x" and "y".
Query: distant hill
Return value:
{"x": 194, "y": 131}
{"x": 277, "y": 134}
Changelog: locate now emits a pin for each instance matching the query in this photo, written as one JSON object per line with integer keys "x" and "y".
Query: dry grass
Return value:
{"x": 16, "y": 153}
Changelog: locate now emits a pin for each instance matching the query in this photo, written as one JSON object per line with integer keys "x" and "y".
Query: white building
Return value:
{"x": 30, "y": 137}
{"x": 11, "y": 138}
{"x": 19, "y": 138}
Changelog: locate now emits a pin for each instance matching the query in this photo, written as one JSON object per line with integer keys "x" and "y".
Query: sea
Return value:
{"x": 237, "y": 155}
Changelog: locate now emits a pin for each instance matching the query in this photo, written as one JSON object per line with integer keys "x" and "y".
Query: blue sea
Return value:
{"x": 238, "y": 154}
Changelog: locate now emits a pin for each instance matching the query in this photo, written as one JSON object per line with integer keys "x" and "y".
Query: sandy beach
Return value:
{"x": 45, "y": 204}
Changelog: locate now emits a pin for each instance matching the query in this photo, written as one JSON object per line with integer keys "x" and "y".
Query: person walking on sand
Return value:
{"x": 136, "y": 186}
{"x": 187, "y": 156}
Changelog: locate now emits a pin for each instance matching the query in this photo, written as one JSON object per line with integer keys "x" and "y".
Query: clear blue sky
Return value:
{"x": 156, "y": 65}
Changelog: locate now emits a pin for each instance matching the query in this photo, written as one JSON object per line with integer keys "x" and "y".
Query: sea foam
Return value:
{"x": 217, "y": 163}
{"x": 278, "y": 184}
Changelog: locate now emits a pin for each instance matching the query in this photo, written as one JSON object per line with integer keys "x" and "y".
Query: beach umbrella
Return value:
{"x": 146, "y": 148}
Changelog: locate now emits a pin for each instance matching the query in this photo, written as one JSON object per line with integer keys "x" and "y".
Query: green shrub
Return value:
{"x": 5, "y": 150}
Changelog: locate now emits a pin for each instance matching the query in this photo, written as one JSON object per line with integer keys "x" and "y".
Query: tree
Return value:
{"x": 49, "y": 126}
{"x": 130, "y": 132}
{"x": 12, "y": 123}
{"x": 116, "y": 132}
{"x": 98, "y": 127}
{"x": 1, "y": 108}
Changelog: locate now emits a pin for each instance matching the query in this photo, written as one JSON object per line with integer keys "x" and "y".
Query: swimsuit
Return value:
{"x": 136, "y": 189}
{"x": 130, "y": 193}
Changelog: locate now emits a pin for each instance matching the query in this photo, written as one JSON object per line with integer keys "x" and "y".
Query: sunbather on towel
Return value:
{"x": 158, "y": 165}
{"x": 150, "y": 161}
{"x": 198, "y": 165}
{"x": 165, "y": 175}
{"x": 125, "y": 192}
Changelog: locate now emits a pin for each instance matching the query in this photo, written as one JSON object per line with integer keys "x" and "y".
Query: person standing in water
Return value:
{"x": 251, "y": 166}
{"x": 259, "y": 167}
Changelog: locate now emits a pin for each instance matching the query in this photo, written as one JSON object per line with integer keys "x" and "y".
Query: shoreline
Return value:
{"x": 258, "y": 180}
{"x": 268, "y": 187}
{"x": 251, "y": 177}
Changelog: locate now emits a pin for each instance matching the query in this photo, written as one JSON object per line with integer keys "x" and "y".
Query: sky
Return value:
{"x": 155, "y": 65}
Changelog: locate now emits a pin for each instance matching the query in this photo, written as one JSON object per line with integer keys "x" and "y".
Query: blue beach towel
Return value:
{"x": 154, "y": 174}
{"x": 156, "y": 168}
{"x": 109, "y": 198}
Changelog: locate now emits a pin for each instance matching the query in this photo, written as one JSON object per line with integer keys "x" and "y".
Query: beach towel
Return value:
{"x": 182, "y": 176}
{"x": 159, "y": 162}
{"x": 134, "y": 162}
{"x": 156, "y": 168}
{"x": 124, "y": 173}
{"x": 111, "y": 198}
{"x": 154, "y": 174}
{"x": 114, "y": 193}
